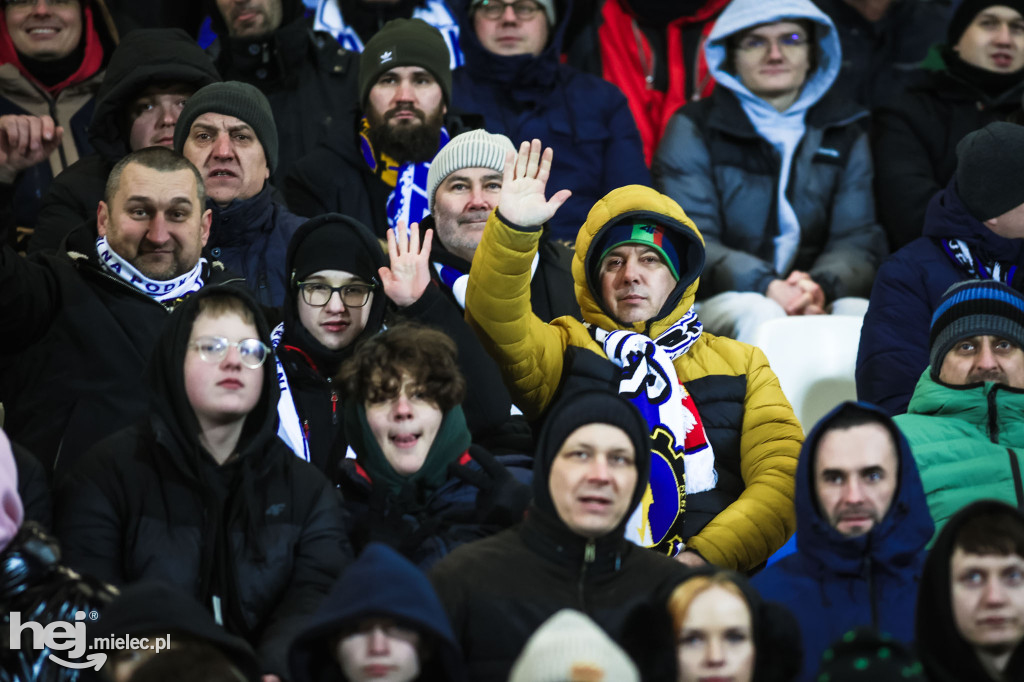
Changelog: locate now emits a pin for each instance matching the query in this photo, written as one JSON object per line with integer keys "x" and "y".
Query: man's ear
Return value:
{"x": 102, "y": 217}
{"x": 205, "y": 222}
{"x": 991, "y": 223}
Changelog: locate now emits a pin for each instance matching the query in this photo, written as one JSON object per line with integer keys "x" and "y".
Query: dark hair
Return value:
{"x": 159, "y": 159}
{"x": 854, "y": 415}
{"x": 732, "y": 43}
{"x": 374, "y": 372}
{"x": 993, "y": 531}
{"x": 193, "y": 661}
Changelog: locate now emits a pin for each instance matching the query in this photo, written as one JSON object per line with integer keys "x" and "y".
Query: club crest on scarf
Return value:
{"x": 682, "y": 459}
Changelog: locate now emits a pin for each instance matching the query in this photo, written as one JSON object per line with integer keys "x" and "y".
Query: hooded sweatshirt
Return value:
{"x": 834, "y": 583}
{"x": 145, "y": 57}
{"x": 380, "y": 584}
{"x": 946, "y": 655}
{"x": 785, "y": 129}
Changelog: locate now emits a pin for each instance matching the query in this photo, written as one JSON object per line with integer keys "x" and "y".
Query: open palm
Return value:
{"x": 524, "y": 180}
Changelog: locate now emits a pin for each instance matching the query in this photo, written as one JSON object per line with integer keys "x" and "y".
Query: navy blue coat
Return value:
{"x": 894, "y": 345}
{"x": 584, "y": 118}
{"x": 834, "y": 583}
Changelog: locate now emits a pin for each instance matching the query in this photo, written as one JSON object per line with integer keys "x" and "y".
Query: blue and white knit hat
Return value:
{"x": 975, "y": 308}
{"x": 472, "y": 149}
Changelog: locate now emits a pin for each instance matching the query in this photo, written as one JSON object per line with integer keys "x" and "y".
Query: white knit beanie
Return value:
{"x": 473, "y": 149}
{"x": 570, "y": 647}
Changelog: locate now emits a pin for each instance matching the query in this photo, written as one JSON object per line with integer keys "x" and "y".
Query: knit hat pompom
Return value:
{"x": 570, "y": 646}
{"x": 472, "y": 149}
{"x": 231, "y": 98}
{"x": 975, "y": 308}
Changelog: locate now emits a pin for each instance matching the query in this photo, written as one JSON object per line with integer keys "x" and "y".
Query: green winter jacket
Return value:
{"x": 968, "y": 442}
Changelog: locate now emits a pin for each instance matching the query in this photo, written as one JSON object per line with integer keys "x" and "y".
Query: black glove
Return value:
{"x": 502, "y": 499}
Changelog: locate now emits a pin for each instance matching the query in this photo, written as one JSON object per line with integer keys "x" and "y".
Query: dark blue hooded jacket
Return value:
{"x": 894, "y": 343}
{"x": 584, "y": 118}
{"x": 835, "y": 583}
{"x": 381, "y": 583}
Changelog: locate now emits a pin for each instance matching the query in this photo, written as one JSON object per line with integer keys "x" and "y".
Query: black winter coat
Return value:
{"x": 75, "y": 341}
{"x": 259, "y": 539}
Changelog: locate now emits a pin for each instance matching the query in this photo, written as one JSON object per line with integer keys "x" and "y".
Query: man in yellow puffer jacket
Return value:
{"x": 726, "y": 440}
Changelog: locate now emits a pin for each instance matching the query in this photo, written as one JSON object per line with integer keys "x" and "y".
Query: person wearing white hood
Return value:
{"x": 776, "y": 172}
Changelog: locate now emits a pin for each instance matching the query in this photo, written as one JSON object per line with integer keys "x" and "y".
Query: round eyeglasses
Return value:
{"x": 495, "y": 9}
{"x": 318, "y": 294}
{"x": 252, "y": 352}
{"x": 756, "y": 44}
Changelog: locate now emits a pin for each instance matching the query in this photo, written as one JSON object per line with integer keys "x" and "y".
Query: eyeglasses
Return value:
{"x": 252, "y": 352}
{"x": 495, "y": 9}
{"x": 787, "y": 43}
{"x": 352, "y": 295}
{"x": 24, "y": 4}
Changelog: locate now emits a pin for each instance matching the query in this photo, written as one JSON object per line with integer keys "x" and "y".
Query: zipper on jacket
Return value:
{"x": 334, "y": 403}
{"x": 871, "y": 585}
{"x": 56, "y": 122}
{"x": 589, "y": 553}
{"x": 1018, "y": 485}
{"x": 993, "y": 421}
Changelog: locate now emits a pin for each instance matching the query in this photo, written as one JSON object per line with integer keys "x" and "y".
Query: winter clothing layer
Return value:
{"x": 143, "y": 58}
{"x": 748, "y": 420}
{"x": 33, "y": 488}
{"x": 585, "y": 120}
{"x": 724, "y": 158}
{"x": 34, "y": 583}
{"x": 380, "y": 584}
{"x": 914, "y": 140}
{"x": 258, "y": 539}
{"x": 12, "y": 513}
{"x": 972, "y": 308}
{"x": 251, "y": 237}
{"x": 70, "y": 106}
{"x": 946, "y": 655}
{"x": 77, "y": 340}
{"x": 498, "y": 591}
{"x": 894, "y": 342}
{"x": 834, "y": 583}
{"x": 968, "y": 442}
{"x": 308, "y": 78}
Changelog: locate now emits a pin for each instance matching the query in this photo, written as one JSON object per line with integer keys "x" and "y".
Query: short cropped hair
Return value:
{"x": 217, "y": 305}
{"x": 993, "y": 532}
{"x": 427, "y": 356}
{"x": 159, "y": 159}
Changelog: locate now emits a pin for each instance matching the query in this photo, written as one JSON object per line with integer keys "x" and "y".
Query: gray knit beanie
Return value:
{"x": 231, "y": 98}
{"x": 472, "y": 149}
{"x": 975, "y": 308}
{"x": 990, "y": 169}
{"x": 547, "y": 5}
{"x": 570, "y": 646}
{"x": 405, "y": 42}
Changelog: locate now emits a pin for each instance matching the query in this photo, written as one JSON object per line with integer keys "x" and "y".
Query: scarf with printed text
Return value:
{"x": 164, "y": 291}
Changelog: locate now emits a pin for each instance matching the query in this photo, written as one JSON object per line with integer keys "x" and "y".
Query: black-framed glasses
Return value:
{"x": 495, "y": 9}
{"x": 252, "y": 352}
{"x": 318, "y": 294}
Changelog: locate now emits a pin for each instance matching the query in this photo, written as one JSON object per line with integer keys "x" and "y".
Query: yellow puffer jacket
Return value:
{"x": 754, "y": 432}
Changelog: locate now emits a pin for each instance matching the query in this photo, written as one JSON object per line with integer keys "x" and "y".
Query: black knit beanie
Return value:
{"x": 863, "y": 654}
{"x": 405, "y": 42}
{"x": 990, "y": 163}
{"x": 231, "y": 98}
{"x": 968, "y": 10}
{"x": 973, "y": 308}
{"x": 332, "y": 245}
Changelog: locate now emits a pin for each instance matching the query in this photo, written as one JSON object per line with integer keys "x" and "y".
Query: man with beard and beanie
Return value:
{"x": 81, "y": 324}
{"x": 35, "y": 585}
{"x": 970, "y": 607}
{"x": 725, "y": 438}
{"x": 201, "y": 494}
{"x": 381, "y": 614}
{"x": 863, "y": 525}
{"x": 515, "y": 79}
{"x": 228, "y": 131}
{"x": 150, "y": 76}
{"x": 974, "y": 231}
{"x": 52, "y": 60}
{"x": 379, "y": 172}
{"x": 965, "y": 421}
{"x": 592, "y": 460}
{"x": 308, "y": 78}
{"x": 975, "y": 78}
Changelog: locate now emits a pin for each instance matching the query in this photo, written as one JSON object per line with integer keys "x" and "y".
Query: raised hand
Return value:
{"x": 407, "y": 278}
{"x": 24, "y": 142}
{"x": 524, "y": 180}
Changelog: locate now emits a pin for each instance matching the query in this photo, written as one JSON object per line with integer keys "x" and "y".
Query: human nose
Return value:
{"x": 995, "y": 593}
{"x": 508, "y": 14}
{"x": 630, "y": 270}
{"x": 158, "y": 232}
{"x": 774, "y": 50}
{"x": 404, "y": 91}
{"x": 402, "y": 407}
{"x": 222, "y": 147}
{"x": 334, "y": 302}
{"x": 714, "y": 652}
{"x": 378, "y": 642}
{"x": 853, "y": 492}
{"x": 598, "y": 471}
{"x": 986, "y": 359}
{"x": 1003, "y": 33}
{"x": 232, "y": 357}
{"x": 168, "y": 114}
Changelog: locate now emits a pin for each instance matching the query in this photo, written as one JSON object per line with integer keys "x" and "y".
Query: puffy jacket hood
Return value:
{"x": 946, "y": 655}
{"x": 381, "y": 583}
{"x": 743, "y": 14}
{"x": 11, "y": 511}
{"x": 636, "y": 202}
{"x": 572, "y": 412}
{"x": 154, "y": 608}
{"x": 362, "y": 244}
{"x": 144, "y": 57}
{"x": 948, "y": 218}
{"x": 896, "y": 542}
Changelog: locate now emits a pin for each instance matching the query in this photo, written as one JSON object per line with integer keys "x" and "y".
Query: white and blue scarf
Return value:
{"x": 289, "y": 427}
{"x": 976, "y": 267}
{"x": 456, "y": 281}
{"x": 164, "y": 291}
